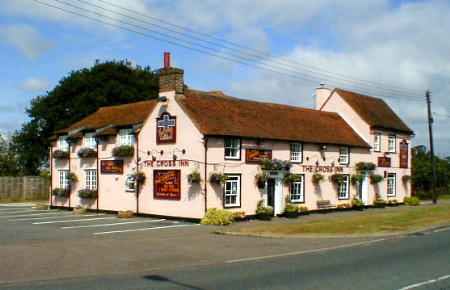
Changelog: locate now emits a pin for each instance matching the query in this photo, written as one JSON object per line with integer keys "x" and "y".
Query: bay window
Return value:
{"x": 232, "y": 191}
{"x": 232, "y": 148}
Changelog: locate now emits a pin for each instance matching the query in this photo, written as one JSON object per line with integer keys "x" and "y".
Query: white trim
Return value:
{"x": 232, "y": 147}
{"x": 296, "y": 154}
{"x": 300, "y": 187}
{"x": 347, "y": 192}
{"x": 389, "y": 148}
{"x": 391, "y": 177}
{"x": 344, "y": 155}
{"x": 377, "y": 142}
{"x": 90, "y": 179}
{"x": 234, "y": 181}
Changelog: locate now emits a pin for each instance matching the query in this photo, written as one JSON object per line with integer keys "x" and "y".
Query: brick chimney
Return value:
{"x": 170, "y": 78}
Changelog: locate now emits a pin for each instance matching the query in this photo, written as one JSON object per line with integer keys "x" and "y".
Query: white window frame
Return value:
{"x": 391, "y": 184}
{"x": 296, "y": 153}
{"x": 297, "y": 190}
{"x": 64, "y": 182}
{"x": 91, "y": 179}
{"x": 233, "y": 147}
{"x": 89, "y": 140}
{"x": 377, "y": 142}
{"x": 232, "y": 189}
{"x": 63, "y": 144}
{"x": 344, "y": 188}
{"x": 344, "y": 156}
{"x": 126, "y": 137}
{"x": 130, "y": 183}
{"x": 392, "y": 143}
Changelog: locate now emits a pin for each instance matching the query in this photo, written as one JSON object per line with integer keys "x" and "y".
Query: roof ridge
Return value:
{"x": 126, "y": 104}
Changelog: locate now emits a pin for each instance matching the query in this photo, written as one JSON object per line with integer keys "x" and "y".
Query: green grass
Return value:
{"x": 369, "y": 222}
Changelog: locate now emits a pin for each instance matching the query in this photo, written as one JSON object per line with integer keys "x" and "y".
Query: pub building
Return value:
{"x": 189, "y": 151}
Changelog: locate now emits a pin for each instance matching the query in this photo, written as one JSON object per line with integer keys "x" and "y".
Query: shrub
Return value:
{"x": 217, "y": 178}
{"x": 87, "y": 193}
{"x": 264, "y": 212}
{"x": 123, "y": 151}
{"x": 337, "y": 178}
{"x": 291, "y": 210}
{"x": 260, "y": 180}
{"x": 303, "y": 210}
{"x": 317, "y": 178}
{"x": 392, "y": 202}
{"x": 60, "y": 154}
{"x": 60, "y": 192}
{"x": 375, "y": 178}
{"x": 412, "y": 201}
{"x": 365, "y": 166}
{"x": 275, "y": 164}
{"x": 238, "y": 215}
{"x": 289, "y": 178}
{"x": 357, "y": 204}
{"x": 216, "y": 216}
{"x": 379, "y": 203}
{"x": 194, "y": 177}
{"x": 356, "y": 179}
{"x": 87, "y": 153}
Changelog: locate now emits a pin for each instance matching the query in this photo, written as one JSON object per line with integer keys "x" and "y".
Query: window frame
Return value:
{"x": 89, "y": 136}
{"x": 63, "y": 140}
{"x": 239, "y": 149}
{"x": 347, "y": 182}
{"x": 389, "y": 177}
{"x": 377, "y": 142}
{"x": 347, "y": 162}
{"x": 63, "y": 178}
{"x": 389, "y": 149}
{"x": 126, "y": 137}
{"x": 300, "y": 153}
{"x": 90, "y": 182}
{"x": 302, "y": 190}
{"x": 238, "y": 202}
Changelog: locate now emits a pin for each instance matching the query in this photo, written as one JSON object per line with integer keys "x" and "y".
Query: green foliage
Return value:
{"x": 73, "y": 177}
{"x": 264, "y": 212}
{"x": 289, "y": 178}
{"x": 412, "y": 201}
{"x": 60, "y": 192}
{"x": 216, "y": 216}
{"x": 365, "y": 166}
{"x": 291, "y": 210}
{"x": 123, "y": 151}
{"x": 77, "y": 95}
{"x": 60, "y": 154}
{"x": 260, "y": 179}
{"x": 87, "y": 153}
{"x": 317, "y": 178}
{"x": 356, "y": 179}
{"x": 337, "y": 178}
{"x": 375, "y": 178}
{"x": 392, "y": 202}
{"x": 194, "y": 177}
{"x": 217, "y": 178}
{"x": 303, "y": 210}
{"x": 8, "y": 159}
{"x": 357, "y": 204}
{"x": 380, "y": 203}
{"x": 88, "y": 193}
{"x": 275, "y": 164}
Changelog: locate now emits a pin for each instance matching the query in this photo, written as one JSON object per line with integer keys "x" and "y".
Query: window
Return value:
{"x": 64, "y": 179}
{"x": 126, "y": 137}
{"x": 63, "y": 144}
{"x": 297, "y": 193}
{"x": 130, "y": 183}
{"x": 344, "y": 188}
{"x": 297, "y": 152}
{"x": 232, "y": 148}
{"x": 89, "y": 140}
{"x": 391, "y": 184}
{"x": 232, "y": 191}
{"x": 344, "y": 155}
{"x": 91, "y": 179}
{"x": 377, "y": 142}
{"x": 392, "y": 148}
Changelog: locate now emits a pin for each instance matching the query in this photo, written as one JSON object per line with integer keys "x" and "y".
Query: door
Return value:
{"x": 364, "y": 191}
{"x": 271, "y": 192}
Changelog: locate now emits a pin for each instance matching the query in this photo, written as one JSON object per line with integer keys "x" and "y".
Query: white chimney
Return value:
{"x": 321, "y": 95}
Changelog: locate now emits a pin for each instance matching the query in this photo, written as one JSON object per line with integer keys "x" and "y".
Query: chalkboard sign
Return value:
{"x": 257, "y": 155}
{"x": 111, "y": 166}
{"x": 167, "y": 184}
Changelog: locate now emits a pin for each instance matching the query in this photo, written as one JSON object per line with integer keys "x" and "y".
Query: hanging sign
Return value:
{"x": 253, "y": 155}
{"x": 167, "y": 184}
{"x": 404, "y": 151}
{"x": 166, "y": 129}
{"x": 111, "y": 166}
{"x": 384, "y": 162}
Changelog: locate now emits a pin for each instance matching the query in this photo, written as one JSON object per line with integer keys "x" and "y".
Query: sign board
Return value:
{"x": 166, "y": 129}
{"x": 384, "y": 162}
{"x": 167, "y": 184}
{"x": 111, "y": 166}
{"x": 166, "y": 163}
{"x": 404, "y": 151}
{"x": 257, "y": 155}
{"x": 322, "y": 169}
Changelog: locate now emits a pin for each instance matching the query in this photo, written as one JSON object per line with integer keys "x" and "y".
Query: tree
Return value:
{"x": 79, "y": 94}
{"x": 8, "y": 162}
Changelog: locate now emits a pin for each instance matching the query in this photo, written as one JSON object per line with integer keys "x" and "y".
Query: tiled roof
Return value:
{"x": 374, "y": 111}
{"x": 217, "y": 114}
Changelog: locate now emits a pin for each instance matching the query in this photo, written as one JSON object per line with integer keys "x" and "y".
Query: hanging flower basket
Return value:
{"x": 261, "y": 179}
{"x": 275, "y": 164}
{"x": 289, "y": 178}
{"x": 88, "y": 193}
{"x": 356, "y": 179}
{"x": 317, "y": 178}
{"x": 123, "y": 151}
{"x": 217, "y": 178}
{"x": 87, "y": 153}
{"x": 337, "y": 178}
{"x": 194, "y": 177}
{"x": 365, "y": 166}
{"x": 60, "y": 154}
{"x": 61, "y": 192}
{"x": 375, "y": 178}
{"x": 406, "y": 178}
{"x": 73, "y": 177}
{"x": 139, "y": 177}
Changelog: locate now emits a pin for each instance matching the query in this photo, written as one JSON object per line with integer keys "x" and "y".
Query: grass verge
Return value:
{"x": 402, "y": 219}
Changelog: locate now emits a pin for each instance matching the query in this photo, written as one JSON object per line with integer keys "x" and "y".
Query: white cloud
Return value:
{"x": 34, "y": 85}
{"x": 26, "y": 39}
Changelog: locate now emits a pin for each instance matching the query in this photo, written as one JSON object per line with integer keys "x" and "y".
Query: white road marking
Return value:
{"x": 144, "y": 229}
{"x": 249, "y": 259}
{"x": 441, "y": 230}
{"x": 11, "y": 214}
{"x": 34, "y": 214}
{"x": 67, "y": 215}
{"x": 113, "y": 224}
{"x": 71, "y": 221}
{"x": 17, "y": 204}
{"x": 432, "y": 281}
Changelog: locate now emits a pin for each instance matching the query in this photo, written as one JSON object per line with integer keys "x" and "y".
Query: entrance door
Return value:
{"x": 364, "y": 191}
{"x": 271, "y": 192}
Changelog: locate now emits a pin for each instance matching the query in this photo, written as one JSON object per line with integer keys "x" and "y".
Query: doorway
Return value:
{"x": 271, "y": 192}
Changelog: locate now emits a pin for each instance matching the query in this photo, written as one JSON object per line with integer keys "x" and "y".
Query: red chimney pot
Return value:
{"x": 166, "y": 59}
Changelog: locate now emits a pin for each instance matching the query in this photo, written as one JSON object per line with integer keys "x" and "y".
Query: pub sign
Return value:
{"x": 404, "y": 154}
{"x": 384, "y": 162}
{"x": 167, "y": 184}
{"x": 253, "y": 155}
{"x": 111, "y": 166}
{"x": 166, "y": 129}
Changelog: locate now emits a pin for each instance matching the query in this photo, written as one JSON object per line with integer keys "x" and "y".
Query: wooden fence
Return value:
{"x": 24, "y": 188}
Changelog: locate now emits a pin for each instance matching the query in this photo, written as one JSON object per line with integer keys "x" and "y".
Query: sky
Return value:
{"x": 395, "y": 50}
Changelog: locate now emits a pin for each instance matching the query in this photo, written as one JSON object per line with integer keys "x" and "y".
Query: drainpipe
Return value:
{"x": 98, "y": 177}
{"x": 70, "y": 183}
{"x": 137, "y": 170}
{"x": 51, "y": 176}
{"x": 206, "y": 172}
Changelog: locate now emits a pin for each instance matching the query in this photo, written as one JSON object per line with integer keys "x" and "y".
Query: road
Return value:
{"x": 408, "y": 262}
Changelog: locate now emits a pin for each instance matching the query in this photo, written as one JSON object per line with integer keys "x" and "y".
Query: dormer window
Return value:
{"x": 126, "y": 137}
{"x": 63, "y": 144}
{"x": 89, "y": 140}
{"x": 392, "y": 143}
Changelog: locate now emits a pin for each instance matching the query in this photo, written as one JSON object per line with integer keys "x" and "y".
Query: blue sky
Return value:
{"x": 397, "y": 43}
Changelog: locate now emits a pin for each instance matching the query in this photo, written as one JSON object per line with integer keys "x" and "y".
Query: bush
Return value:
{"x": 87, "y": 153}
{"x": 60, "y": 154}
{"x": 238, "y": 215}
{"x": 217, "y": 178}
{"x": 87, "y": 193}
{"x": 412, "y": 201}
{"x": 194, "y": 177}
{"x": 379, "y": 203}
{"x": 357, "y": 204}
{"x": 260, "y": 180}
{"x": 216, "y": 216}
{"x": 392, "y": 202}
{"x": 291, "y": 210}
{"x": 303, "y": 210}
{"x": 317, "y": 178}
{"x": 375, "y": 178}
{"x": 60, "y": 192}
{"x": 123, "y": 151}
{"x": 264, "y": 212}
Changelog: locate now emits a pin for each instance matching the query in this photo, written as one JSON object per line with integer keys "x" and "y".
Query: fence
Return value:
{"x": 24, "y": 188}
